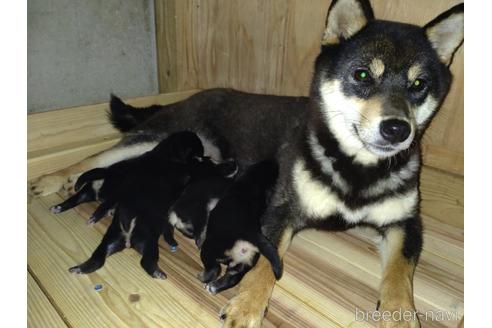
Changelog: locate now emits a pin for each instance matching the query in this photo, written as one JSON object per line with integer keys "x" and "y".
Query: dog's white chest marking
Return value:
{"x": 128, "y": 234}
{"x": 318, "y": 201}
{"x": 242, "y": 252}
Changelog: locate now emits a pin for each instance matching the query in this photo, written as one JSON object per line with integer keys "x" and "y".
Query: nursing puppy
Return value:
{"x": 104, "y": 184}
{"x": 233, "y": 234}
{"x": 141, "y": 200}
{"x": 160, "y": 173}
{"x": 139, "y": 220}
{"x": 191, "y": 211}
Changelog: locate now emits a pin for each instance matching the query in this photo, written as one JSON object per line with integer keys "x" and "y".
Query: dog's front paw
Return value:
{"x": 244, "y": 310}
{"x": 398, "y": 318}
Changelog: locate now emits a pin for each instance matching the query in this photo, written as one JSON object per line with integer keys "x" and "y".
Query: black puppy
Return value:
{"x": 234, "y": 234}
{"x": 190, "y": 212}
{"x": 179, "y": 147}
{"x": 142, "y": 189}
{"x": 139, "y": 215}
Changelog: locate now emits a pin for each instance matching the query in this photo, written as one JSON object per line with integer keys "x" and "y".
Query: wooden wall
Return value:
{"x": 269, "y": 46}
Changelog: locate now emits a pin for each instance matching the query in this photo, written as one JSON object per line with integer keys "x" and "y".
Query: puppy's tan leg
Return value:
{"x": 65, "y": 178}
{"x": 397, "y": 307}
{"x": 247, "y": 308}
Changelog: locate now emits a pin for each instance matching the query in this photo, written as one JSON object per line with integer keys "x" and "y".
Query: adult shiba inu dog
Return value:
{"x": 348, "y": 154}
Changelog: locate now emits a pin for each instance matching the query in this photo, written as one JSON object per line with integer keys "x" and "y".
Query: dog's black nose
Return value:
{"x": 394, "y": 130}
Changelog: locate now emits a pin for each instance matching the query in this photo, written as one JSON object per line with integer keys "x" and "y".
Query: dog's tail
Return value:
{"x": 125, "y": 117}
{"x": 89, "y": 176}
{"x": 268, "y": 250}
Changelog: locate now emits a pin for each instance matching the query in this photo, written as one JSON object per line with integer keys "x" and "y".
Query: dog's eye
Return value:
{"x": 418, "y": 85}
{"x": 362, "y": 75}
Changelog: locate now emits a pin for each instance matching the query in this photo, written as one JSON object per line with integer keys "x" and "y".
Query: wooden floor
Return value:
{"x": 327, "y": 276}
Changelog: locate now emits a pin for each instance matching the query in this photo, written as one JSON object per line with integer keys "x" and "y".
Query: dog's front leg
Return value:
{"x": 247, "y": 308}
{"x": 400, "y": 250}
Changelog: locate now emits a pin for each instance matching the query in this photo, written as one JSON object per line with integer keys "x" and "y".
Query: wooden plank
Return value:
{"x": 65, "y": 127}
{"x": 443, "y": 159}
{"x": 166, "y": 43}
{"x": 51, "y": 162}
{"x": 442, "y": 196}
{"x": 40, "y": 312}
{"x": 56, "y": 242}
{"x": 355, "y": 262}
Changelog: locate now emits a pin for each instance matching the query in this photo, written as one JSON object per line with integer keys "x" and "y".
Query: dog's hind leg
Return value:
{"x": 150, "y": 258}
{"x": 400, "y": 249}
{"x": 168, "y": 234}
{"x": 101, "y": 211}
{"x": 111, "y": 243}
{"x": 131, "y": 145}
{"x": 86, "y": 194}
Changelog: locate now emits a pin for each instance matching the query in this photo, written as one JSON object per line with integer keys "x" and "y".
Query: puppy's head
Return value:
{"x": 380, "y": 83}
{"x": 180, "y": 147}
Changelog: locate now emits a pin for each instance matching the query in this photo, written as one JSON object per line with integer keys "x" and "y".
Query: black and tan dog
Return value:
{"x": 233, "y": 235}
{"x": 348, "y": 154}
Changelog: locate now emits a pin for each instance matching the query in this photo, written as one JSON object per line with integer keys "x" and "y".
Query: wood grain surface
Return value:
{"x": 327, "y": 276}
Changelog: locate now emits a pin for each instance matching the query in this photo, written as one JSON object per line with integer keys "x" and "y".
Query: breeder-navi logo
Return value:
{"x": 405, "y": 315}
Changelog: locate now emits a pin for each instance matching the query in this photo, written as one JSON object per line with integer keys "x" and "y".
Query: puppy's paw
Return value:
{"x": 244, "y": 310}
{"x": 159, "y": 274}
{"x": 211, "y": 288}
{"x": 46, "y": 185}
{"x": 75, "y": 269}
{"x": 56, "y": 209}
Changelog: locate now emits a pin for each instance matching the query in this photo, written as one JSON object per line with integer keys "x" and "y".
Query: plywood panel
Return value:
{"x": 269, "y": 46}
{"x": 40, "y": 312}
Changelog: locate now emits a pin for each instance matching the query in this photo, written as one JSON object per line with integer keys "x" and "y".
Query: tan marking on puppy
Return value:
{"x": 413, "y": 72}
{"x": 128, "y": 234}
{"x": 396, "y": 291}
{"x": 377, "y": 67}
{"x": 247, "y": 308}
{"x": 345, "y": 19}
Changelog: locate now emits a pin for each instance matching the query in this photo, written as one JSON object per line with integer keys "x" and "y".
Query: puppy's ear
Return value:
{"x": 345, "y": 18}
{"x": 446, "y": 32}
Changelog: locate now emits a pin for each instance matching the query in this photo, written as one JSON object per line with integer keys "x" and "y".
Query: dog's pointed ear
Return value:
{"x": 446, "y": 32}
{"x": 345, "y": 18}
